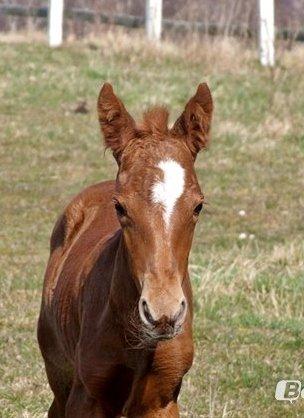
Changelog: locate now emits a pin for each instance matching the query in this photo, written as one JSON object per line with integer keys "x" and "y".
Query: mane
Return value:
{"x": 155, "y": 121}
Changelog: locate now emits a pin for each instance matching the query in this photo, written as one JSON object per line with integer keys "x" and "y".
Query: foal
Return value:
{"x": 116, "y": 314}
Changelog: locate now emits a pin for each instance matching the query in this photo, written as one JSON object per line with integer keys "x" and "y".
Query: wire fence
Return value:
{"x": 229, "y": 17}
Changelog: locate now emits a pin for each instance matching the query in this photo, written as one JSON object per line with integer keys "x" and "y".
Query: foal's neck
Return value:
{"x": 124, "y": 294}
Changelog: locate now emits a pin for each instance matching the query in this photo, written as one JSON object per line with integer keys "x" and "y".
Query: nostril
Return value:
{"x": 181, "y": 313}
{"x": 146, "y": 312}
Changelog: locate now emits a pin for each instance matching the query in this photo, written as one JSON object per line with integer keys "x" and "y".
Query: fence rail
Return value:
{"x": 132, "y": 21}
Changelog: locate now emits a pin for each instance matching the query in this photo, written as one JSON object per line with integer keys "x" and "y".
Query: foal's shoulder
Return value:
{"x": 80, "y": 210}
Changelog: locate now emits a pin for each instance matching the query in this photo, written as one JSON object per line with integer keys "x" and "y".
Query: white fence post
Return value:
{"x": 55, "y": 22}
{"x": 267, "y": 32}
{"x": 154, "y": 11}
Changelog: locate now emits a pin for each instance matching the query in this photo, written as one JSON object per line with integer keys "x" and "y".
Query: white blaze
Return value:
{"x": 167, "y": 191}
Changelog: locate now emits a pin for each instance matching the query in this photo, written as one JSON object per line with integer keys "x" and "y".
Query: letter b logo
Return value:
{"x": 288, "y": 390}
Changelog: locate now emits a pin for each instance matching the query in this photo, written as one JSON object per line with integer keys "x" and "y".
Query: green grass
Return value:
{"x": 249, "y": 327}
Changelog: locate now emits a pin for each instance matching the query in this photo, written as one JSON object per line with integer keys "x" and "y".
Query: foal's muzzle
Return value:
{"x": 165, "y": 326}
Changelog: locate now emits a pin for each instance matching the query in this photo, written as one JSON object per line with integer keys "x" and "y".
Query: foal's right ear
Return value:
{"x": 195, "y": 121}
{"x": 116, "y": 123}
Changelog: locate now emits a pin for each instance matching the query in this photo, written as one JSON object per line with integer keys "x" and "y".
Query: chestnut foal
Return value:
{"x": 116, "y": 314}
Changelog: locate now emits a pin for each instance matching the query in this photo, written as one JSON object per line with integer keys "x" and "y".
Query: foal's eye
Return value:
{"x": 120, "y": 210}
{"x": 198, "y": 209}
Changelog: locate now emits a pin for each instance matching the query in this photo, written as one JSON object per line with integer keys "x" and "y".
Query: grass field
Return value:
{"x": 247, "y": 261}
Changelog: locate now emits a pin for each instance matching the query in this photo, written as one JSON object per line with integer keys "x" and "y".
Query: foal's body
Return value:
{"x": 110, "y": 374}
{"x": 115, "y": 328}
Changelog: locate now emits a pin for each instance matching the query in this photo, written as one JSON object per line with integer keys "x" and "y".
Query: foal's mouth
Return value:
{"x": 155, "y": 334}
{"x": 140, "y": 335}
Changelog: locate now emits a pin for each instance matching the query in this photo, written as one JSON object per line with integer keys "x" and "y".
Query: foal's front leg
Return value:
{"x": 151, "y": 398}
{"x": 170, "y": 411}
{"x": 81, "y": 405}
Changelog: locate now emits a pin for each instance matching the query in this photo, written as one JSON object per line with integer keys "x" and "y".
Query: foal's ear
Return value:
{"x": 116, "y": 123}
{"x": 195, "y": 121}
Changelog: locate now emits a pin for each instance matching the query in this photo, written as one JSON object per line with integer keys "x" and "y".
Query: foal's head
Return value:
{"x": 158, "y": 199}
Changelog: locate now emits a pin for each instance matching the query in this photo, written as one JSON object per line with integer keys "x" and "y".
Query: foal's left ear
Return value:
{"x": 116, "y": 124}
{"x": 195, "y": 121}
